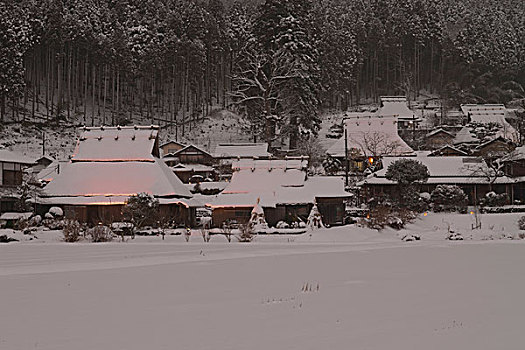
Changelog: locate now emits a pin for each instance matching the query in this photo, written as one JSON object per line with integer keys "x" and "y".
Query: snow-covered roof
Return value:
{"x": 438, "y": 131}
{"x": 517, "y": 154}
{"x": 13, "y": 157}
{"x": 114, "y": 144}
{"x": 395, "y": 106}
{"x": 88, "y": 179}
{"x": 491, "y": 113}
{"x": 172, "y": 141}
{"x": 186, "y": 149}
{"x": 440, "y": 151}
{"x": 464, "y": 136}
{"x": 191, "y": 167}
{"x": 275, "y": 182}
{"x": 242, "y": 150}
{"x": 371, "y": 134}
{"x": 443, "y": 170}
{"x": 15, "y": 216}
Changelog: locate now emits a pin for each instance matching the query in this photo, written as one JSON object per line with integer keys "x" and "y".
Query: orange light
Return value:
{"x": 425, "y": 214}
{"x": 371, "y": 160}
{"x": 471, "y": 213}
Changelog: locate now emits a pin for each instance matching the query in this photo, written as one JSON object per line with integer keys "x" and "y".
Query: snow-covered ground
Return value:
{"x": 340, "y": 288}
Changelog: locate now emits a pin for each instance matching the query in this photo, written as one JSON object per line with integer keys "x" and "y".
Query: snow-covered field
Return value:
{"x": 339, "y": 288}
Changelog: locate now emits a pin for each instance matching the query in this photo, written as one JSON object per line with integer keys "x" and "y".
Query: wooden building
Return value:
{"x": 111, "y": 164}
{"x": 438, "y": 138}
{"x": 284, "y": 191}
{"x": 469, "y": 173}
{"x": 190, "y": 154}
{"x": 12, "y": 166}
{"x": 171, "y": 146}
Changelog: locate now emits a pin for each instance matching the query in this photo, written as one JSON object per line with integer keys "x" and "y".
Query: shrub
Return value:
{"x": 449, "y": 198}
{"x": 521, "y": 223}
{"x": 100, "y": 234}
{"x": 245, "y": 234}
{"x": 71, "y": 230}
{"x": 493, "y": 199}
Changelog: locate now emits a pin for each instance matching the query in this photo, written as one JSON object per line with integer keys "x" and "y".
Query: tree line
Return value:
{"x": 170, "y": 62}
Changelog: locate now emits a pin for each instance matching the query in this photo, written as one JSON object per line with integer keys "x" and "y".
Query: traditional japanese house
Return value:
{"x": 283, "y": 190}
{"x": 190, "y": 154}
{"x": 11, "y": 175}
{"x": 170, "y": 147}
{"x": 491, "y": 114}
{"x": 438, "y": 138}
{"x": 470, "y": 173}
{"x": 111, "y": 164}
{"x": 398, "y": 106}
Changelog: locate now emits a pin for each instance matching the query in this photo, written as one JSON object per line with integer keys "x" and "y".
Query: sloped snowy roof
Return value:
{"x": 395, "y": 106}
{"x": 110, "y": 144}
{"x": 491, "y": 113}
{"x": 438, "y": 131}
{"x": 172, "y": 141}
{"x": 243, "y": 150}
{"x": 439, "y": 151}
{"x": 449, "y": 169}
{"x": 191, "y": 167}
{"x": 108, "y": 179}
{"x": 186, "y": 149}
{"x": 464, "y": 136}
{"x": 517, "y": 154}
{"x": 275, "y": 182}
{"x": 13, "y": 157}
{"x": 371, "y": 134}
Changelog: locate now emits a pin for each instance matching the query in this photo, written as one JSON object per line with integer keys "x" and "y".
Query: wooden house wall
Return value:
{"x": 438, "y": 140}
{"x": 332, "y": 210}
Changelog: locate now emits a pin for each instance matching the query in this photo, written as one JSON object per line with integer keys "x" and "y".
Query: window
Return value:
{"x": 11, "y": 177}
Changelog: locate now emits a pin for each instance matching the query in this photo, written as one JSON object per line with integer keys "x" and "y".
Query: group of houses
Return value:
{"x": 479, "y": 155}
{"x": 110, "y": 164}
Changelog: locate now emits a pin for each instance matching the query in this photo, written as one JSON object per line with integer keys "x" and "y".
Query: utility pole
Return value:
{"x": 43, "y": 143}
{"x": 346, "y": 155}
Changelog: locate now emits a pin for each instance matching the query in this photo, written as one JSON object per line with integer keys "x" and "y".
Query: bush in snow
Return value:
{"x": 315, "y": 220}
{"x": 282, "y": 224}
{"x": 332, "y": 165}
{"x": 71, "y": 230}
{"x": 100, "y": 234}
{"x": 453, "y": 236}
{"x": 493, "y": 199}
{"x": 141, "y": 210}
{"x": 410, "y": 237}
{"x": 449, "y": 198}
{"x": 521, "y": 223}
{"x": 35, "y": 220}
{"x": 56, "y": 212}
{"x": 245, "y": 233}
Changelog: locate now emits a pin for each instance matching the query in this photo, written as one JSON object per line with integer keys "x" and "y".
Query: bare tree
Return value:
{"x": 377, "y": 144}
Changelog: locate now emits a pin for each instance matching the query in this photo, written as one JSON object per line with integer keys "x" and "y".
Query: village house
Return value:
{"x": 12, "y": 166}
{"x": 194, "y": 173}
{"x": 464, "y": 138}
{"x": 438, "y": 138}
{"x": 170, "y": 147}
{"x": 369, "y": 138}
{"x": 283, "y": 190}
{"x": 470, "y": 173}
{"x": 496, "y": 148}
{"x": 448, "y": 151}
{"x": 487, "y": 114}
{"x": 398, "y": 106}
{"x": 226, "y": 153}
{"x": 111, "y": 164}
{"x": 190, "y": 154}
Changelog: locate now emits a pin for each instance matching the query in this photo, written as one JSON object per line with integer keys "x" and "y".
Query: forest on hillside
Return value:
{"x": 277, "y": 62}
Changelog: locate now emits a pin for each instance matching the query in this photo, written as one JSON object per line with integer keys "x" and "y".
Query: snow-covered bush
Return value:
{"x": 493, "y": 199}
{"x": 35, "y": 220}
{"x": 521, "y": 222}
{"x": 410, "y": 237}
{"x": 454, "y": 236}
{"x": 245, "y": 233}
{"x": 449, "y": 198}
{"x": 56, "y": 212}
{"x": 71, "y": 230}
{"x": 100, "y": 234}
{"x": 282, "y": 224}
